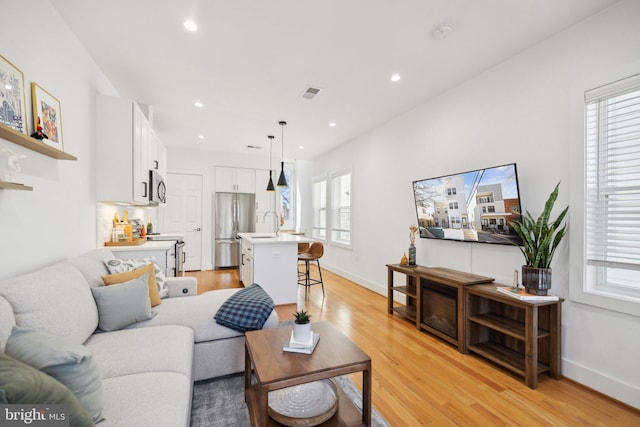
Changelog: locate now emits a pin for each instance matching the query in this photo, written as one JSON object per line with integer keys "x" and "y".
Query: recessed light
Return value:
{"x": 332, "y": 124}
{"x": 190, "y": 25}
{"x": 395, "y": 78}
{"x": 200, "y": 136}
{"x": 198, "y": 104}
{"x": 301, "y": 148}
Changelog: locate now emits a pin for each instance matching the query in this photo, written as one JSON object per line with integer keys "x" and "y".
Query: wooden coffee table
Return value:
{"x": 274, "y": 369}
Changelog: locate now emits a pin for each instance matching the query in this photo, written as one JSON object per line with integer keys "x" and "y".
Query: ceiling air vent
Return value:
{"x": 310, "y": 93}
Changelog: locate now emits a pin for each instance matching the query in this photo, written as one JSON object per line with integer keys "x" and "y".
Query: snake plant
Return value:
{"x": 540, "y": 236}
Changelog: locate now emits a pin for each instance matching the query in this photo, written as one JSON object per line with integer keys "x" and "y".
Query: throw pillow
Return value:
{"x": 68, "y": 362}
{"x": 117, "y": 278}
{"x": 246, "y": 310}
{"x": 122, "y": 265}
{"x": 124, "y": 304}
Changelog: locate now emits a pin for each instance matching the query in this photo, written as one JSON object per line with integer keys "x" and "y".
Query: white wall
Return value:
{"x": 520, "y": 111}
{"x": 57, "y": 219}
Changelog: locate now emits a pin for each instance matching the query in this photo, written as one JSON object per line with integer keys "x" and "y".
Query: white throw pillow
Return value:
{"x": 123, "y": 265}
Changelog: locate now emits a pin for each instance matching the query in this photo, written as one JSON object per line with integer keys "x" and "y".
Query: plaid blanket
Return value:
{"x": 246, "y": 310}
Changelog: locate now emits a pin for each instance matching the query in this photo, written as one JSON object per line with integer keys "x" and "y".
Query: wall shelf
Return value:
{"x": 14, "y": 186}
{"x": 33, "y": 144}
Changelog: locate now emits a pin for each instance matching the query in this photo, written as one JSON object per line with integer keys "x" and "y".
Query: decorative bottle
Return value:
{"x": 412, "y": 254}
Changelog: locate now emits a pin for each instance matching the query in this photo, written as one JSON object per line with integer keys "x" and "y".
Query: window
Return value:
{"x": 319, "y": 194}
{"x": 451, "y": 191}
{"x": 612, "y": 197}
{"x": 341, "y": 208}
{"x": 286, "y": 200}
{"x": 491, "y": 209}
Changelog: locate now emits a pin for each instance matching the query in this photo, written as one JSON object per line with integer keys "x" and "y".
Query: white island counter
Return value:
{"x": 272, "y": 262}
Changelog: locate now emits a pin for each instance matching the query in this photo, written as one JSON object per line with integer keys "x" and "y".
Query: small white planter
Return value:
{"x": 302, "y": 333}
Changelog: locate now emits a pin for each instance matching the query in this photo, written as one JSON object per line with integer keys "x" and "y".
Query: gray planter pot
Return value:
{"x": 536, "y": 281}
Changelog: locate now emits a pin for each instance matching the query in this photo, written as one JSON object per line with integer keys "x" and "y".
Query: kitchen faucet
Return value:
{"x": 277, "y": 222}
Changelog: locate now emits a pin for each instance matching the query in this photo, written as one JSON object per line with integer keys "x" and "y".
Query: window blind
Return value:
{"x": 612, "y": 175}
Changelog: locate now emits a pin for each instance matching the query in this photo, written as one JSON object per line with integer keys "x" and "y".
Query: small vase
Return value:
{"x": 302, "y": 333}
{"x": 412, "y": 255}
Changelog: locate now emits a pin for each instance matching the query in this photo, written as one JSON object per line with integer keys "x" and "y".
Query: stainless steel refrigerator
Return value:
{"x": 234, "y": 213}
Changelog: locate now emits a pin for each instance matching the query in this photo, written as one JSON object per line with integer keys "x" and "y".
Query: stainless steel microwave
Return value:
{"x": 157, "y": 188}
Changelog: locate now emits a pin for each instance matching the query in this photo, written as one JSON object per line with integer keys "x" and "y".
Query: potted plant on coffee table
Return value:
{"x": 302, "y": 326}
{"x": 540, "y": 238}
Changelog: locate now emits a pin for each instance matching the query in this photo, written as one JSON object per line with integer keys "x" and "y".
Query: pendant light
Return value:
{"x": 282, "y": 180}
{"x": 270, "y": 186}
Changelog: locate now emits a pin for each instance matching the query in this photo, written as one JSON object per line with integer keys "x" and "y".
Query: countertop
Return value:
{"x": 270, "y": 238}
{"x": 147, "y": 246}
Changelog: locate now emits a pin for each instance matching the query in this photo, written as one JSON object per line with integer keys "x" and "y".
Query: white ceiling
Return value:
{"x": 251, "y": 60}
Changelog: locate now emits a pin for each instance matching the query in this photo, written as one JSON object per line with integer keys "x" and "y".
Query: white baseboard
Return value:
{"x": 611, "y": 387}
{"x": 375, "y": 287}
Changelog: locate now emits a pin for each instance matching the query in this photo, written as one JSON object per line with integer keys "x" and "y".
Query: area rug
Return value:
{"x": 220, "y": 402}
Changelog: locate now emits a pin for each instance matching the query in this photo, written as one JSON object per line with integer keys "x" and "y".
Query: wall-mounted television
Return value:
{"x": 474, "y": 206}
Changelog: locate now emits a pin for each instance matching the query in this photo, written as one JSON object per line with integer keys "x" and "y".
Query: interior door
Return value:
{"x": 183, "y": 214}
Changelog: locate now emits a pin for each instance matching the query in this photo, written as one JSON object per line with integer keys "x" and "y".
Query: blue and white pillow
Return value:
{"x": 123, "y": 265}
{"x": 246, "y": 310}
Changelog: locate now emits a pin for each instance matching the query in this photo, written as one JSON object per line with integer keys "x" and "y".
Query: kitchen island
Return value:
{"x": 272, "y": 262}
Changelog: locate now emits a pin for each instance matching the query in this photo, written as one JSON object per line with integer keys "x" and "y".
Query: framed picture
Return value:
{"x": 47, "y": 115}
{"x": 13, "y": 108}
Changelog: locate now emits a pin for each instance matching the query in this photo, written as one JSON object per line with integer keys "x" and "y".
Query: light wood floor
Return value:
{"x": 419, "y": 380}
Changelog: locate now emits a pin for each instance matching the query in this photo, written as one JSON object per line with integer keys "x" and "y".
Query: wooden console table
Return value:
{"x": 413, "y": 309}
{"x": 521, "y": 336}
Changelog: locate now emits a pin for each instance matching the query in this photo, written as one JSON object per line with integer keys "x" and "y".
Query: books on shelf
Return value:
{"x": 522, "y": 295}
{"x": 294, "y": 346}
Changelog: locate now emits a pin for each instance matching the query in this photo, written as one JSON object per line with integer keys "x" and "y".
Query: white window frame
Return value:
{"x": 333, "y": 209}
{"x": 317, "y": 211}
{"x": 587, "y": 284}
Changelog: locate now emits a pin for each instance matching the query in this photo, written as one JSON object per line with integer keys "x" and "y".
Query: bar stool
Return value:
{"x": 314, "y": 253}
{"x": 302, "y": 248}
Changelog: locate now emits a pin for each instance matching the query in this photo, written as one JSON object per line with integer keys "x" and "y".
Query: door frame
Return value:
{"x": 206, "y": 221}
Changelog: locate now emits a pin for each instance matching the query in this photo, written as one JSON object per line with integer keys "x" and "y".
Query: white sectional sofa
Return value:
{"x": 147, "y": 368}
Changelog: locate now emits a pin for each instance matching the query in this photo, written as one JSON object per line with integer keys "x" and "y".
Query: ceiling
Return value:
{"x": 250, "y": 61}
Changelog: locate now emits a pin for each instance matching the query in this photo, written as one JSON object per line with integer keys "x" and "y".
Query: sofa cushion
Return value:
{"x": 92, "y": 265}
{"x": 246, "y": 310}
{"x": 21, "y": 383}
{"x": 123, "y": 304}
{"x": 132, "y": 400}
{"x": 7, "y": 321}
{"x": 55, "y": 299}
{"x": 117, "y": 278}
{"x": 200, "y": 308}
{"x": 117, "y": 265}
{"x": 68, "y": 362}
{"x": 154, "y": 349}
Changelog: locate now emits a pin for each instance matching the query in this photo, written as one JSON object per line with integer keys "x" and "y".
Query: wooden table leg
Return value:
{"x": 247, "y": 372}
{"x": 366, "y": 395}
{"x": 531, "y": 346}
{"x": 390, "y": 290}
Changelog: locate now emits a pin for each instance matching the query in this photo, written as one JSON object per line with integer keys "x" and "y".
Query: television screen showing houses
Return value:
{"x": 475, "y": 206}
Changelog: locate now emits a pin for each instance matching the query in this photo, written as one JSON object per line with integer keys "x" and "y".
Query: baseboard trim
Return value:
{"x": 610, "y": 387}
{"x": 372, "y": 286}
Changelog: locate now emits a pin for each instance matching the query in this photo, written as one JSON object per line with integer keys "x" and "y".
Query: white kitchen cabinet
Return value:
{"x": 235, "y": 180}
{"x": 246, "y": 263}
{"x": 122, "y": 151}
